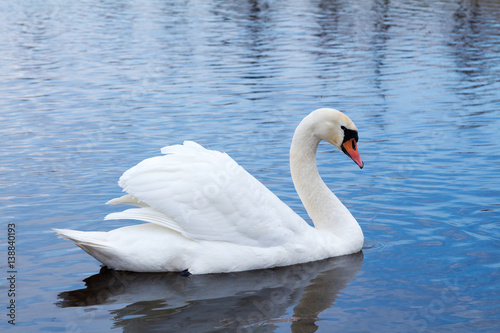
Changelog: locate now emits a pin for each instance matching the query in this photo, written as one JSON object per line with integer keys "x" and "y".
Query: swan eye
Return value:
{"x": 349, "y": 134}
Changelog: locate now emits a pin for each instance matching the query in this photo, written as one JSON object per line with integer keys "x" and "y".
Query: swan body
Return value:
{"x": 205, "y": 214}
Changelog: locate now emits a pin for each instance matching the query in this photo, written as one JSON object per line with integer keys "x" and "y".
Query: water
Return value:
{"x": 90, "y": 88}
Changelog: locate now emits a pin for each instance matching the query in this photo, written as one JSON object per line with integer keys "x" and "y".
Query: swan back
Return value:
{"x": 206, "y": 196}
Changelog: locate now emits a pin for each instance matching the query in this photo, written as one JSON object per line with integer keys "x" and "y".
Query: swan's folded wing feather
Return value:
{"x": 146, "y": 214}
{"x": 127, "y": 199}
{"x": 208, "y": 196}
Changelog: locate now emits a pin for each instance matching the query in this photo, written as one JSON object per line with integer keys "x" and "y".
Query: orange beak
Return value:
{"x": 350, "y": 149}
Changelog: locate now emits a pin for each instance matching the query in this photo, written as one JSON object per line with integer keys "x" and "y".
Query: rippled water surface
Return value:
{"x": 90, "y": 88}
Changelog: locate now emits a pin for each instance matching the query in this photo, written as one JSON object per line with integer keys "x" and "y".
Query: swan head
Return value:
{"x": 336, "y": 128}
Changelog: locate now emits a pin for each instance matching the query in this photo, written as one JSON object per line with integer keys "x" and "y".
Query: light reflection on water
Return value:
{"x": 91, "y": 88}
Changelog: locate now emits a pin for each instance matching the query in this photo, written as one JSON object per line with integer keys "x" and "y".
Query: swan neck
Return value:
{"x": 323, "y": 207}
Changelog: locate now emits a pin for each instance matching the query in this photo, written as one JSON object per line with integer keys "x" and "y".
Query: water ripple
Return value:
{"x": 90, "y": 88}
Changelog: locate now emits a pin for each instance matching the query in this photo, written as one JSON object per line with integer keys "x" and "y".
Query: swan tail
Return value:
{"x": 85, "y": 238}
{"x": 92, "y": 242}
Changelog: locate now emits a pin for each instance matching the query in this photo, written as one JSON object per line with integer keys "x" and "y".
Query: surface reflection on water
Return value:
{"x": 232, "y": 302}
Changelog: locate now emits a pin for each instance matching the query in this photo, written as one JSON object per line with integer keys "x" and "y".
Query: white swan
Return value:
{"x": 206, "y": 214}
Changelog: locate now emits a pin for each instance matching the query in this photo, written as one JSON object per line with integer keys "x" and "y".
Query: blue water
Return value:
{"x": 90, "y": 88}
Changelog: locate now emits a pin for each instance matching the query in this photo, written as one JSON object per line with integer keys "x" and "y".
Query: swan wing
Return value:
{"x": 206, "y": 196}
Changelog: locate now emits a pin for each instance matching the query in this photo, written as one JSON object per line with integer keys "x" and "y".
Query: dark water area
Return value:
{"x": 90, "y": 88}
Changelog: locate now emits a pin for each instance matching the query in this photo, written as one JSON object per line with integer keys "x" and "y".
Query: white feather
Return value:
{"x": 210, "y": 197}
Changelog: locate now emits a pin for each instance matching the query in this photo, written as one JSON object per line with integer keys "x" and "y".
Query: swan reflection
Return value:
{"x": 235, "y": 302}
